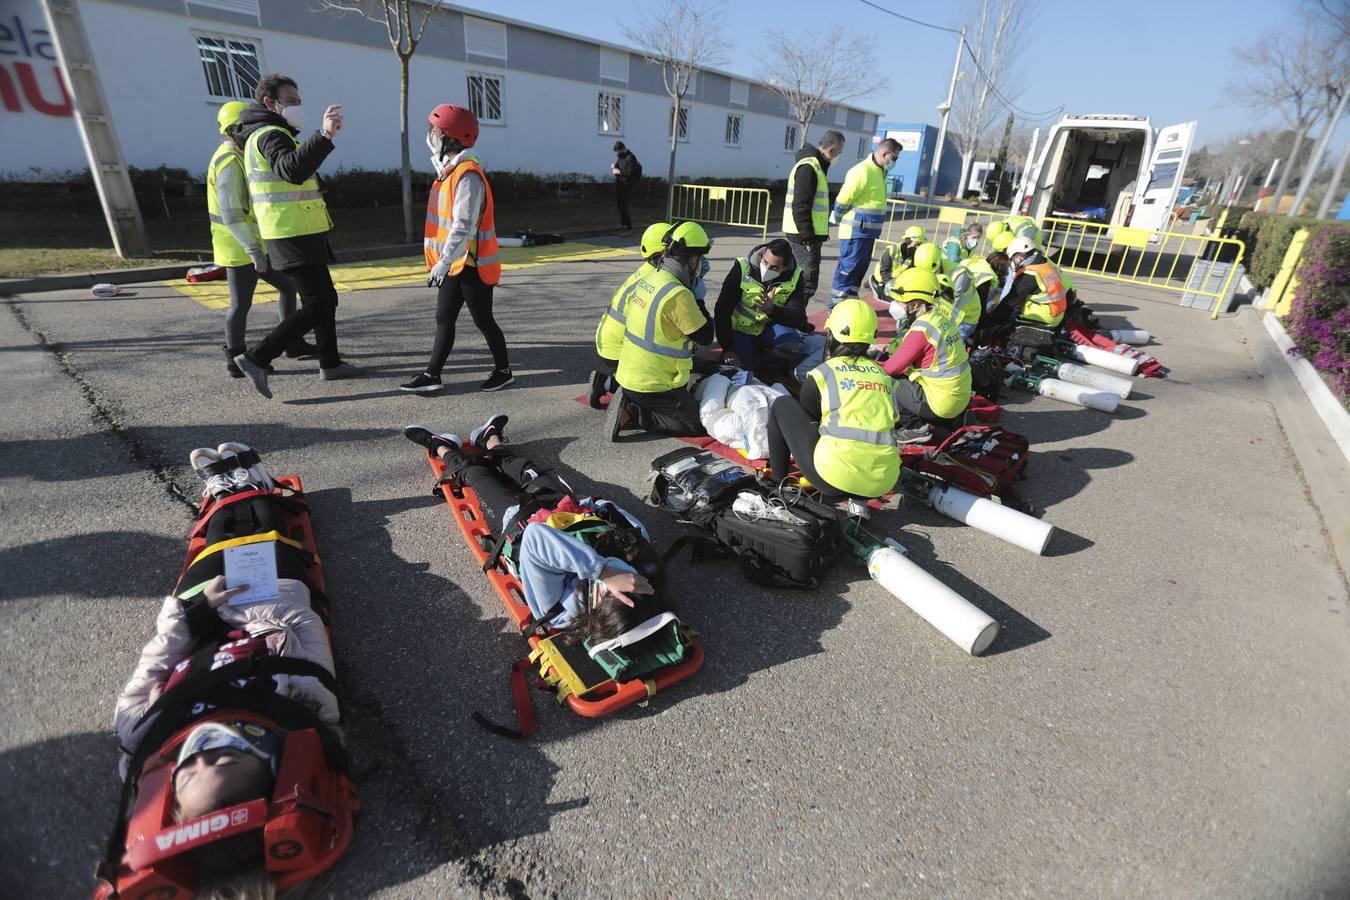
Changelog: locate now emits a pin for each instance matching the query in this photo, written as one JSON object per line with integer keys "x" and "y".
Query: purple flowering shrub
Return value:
{"x": 1320, "y": 313}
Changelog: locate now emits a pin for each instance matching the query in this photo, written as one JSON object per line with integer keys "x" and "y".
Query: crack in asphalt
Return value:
{"x": 106, "y": 412}
{"x": 386, "y": 746}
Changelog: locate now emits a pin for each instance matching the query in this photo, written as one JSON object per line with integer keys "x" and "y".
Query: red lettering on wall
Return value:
{"x": 33, "y": 93}
{"x": 8, "y": 95}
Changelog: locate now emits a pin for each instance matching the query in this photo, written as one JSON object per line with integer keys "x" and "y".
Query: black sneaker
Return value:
{"x": 617, "y": 417}
{"x": 597, "y": 388}
{"x": 301, "y": 349}
{"x": 920, "y": 434}
{"x": 423, "y": 384}
{"x": 499, "y": 379}
{"x": 425, "y": 437}
{"x": 496, "y": 424}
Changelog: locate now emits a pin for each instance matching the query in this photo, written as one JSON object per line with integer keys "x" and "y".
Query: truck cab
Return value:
{"x": 1109, "y": 169}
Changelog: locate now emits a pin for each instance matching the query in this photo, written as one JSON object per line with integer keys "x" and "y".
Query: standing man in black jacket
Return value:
{"x": 806, "y": 209}
{"x": 293, "y": 220}
{"x": 627, "y": 170}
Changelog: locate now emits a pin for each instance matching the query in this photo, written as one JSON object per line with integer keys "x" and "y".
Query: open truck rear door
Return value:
{"x": 1166, "y": 167}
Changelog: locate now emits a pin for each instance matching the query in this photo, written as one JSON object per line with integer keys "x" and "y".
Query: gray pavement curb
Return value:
{"x": 1331, "y": 410}
{"x": 1325, "y": 469}
{"x": 41, "y": 283}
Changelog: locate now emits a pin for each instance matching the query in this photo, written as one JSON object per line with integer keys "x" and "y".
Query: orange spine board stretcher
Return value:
{"x": 309, "y": 817}
{"x": 611, "y": 695}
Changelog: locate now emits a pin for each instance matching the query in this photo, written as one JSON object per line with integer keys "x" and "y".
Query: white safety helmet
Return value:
{"x": 1022, "y": 246}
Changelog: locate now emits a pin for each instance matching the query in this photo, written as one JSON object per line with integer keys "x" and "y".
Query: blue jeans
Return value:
{"x": 776, "y": 347}
{"x": 855, "y": 255}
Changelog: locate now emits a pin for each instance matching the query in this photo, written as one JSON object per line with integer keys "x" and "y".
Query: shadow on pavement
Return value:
{"x": 1061, "y": 474}
{"x": 77, "y": 565}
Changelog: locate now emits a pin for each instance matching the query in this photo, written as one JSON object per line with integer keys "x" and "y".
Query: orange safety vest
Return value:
{"x": 481, "y": 251}
{"x": 1052, "y": 295}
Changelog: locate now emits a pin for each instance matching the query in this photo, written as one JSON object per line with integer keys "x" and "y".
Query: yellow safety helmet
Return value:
{"x": 915, "y": 233}
{"x": 995, "y": 229}
{"x": 229, "y": 114}
{"x": 688, "y": 236}
{"x": 654, "y": 239}
{"x": 915, "y": 284}
{"x": 1002, "y": 240}
{"x": 852, "y": 321}
{"x": 928, "y": 256}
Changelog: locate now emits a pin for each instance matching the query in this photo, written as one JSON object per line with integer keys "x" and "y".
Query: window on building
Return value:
{"x": 740, "y": 92}
{"x": 485, "y": 98}
{"x": 683, "y": 129}
{"x": 733, "y": 138}
{"x": 841, "y": 116}
{"x": 231, "y": 65}
{"x": 613, "y": 65}
{"x": 863, "y": 144}
{"x": 790, "y": 139}
{"x": 610, "y": 114}
{"x": 483, "y": 37}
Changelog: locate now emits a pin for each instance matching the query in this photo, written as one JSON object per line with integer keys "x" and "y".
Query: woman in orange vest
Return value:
{"x": 460, "y": 245}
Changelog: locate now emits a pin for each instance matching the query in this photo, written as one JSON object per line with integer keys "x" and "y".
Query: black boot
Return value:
{"x": 230, "y": 368}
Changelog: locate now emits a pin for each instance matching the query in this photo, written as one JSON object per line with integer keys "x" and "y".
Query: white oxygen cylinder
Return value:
{"x": 967, "y": 626}
{"x": 1095, "y": 379}
{"x": 1006, "y": 524}
{"x": 1078, "y": 394}
{"x": 1135, "y": 336}
{"x": 1112, "y": 362}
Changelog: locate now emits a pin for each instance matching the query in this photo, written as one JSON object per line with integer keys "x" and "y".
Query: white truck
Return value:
{"x": 1110, "y": 169}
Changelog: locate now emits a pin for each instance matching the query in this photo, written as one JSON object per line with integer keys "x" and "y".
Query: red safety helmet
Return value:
{"x": 455, "y": 122}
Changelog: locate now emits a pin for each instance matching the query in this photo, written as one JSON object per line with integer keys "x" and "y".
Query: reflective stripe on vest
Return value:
{"x": 609, "y": 331}
{"x": 1051, "y": 300}
{"x": 867, "y": 216}
{"x": 647, "y": 340}
{"x": 820, "y": 204}
{"x": 225, "y": 250}
{"x": 480, "y": 251}
{"x": 283, "y": 210}
{"x": 949, "y": 353}
{"x": 829, "y": 425}
{"x": 745, "y": 318}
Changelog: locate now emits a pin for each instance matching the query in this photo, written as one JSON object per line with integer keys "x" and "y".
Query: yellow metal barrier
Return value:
{"x": 714, "y": 205}
{"x": 1281, "y": 297}
{"x": 938, "y": 222}
{"x": 1165, "y": 260}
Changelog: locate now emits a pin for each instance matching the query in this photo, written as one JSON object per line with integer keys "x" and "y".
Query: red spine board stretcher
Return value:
{"x": 603, "y": 699}
{"x": 1149, "y": 366}
{"x": 308, "y": 822}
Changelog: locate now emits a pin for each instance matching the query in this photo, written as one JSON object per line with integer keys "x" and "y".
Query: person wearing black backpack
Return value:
{"x": 627, "y": 173}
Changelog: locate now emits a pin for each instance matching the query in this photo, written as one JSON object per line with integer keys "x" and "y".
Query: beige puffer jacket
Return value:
{"x": 290, "y": 627}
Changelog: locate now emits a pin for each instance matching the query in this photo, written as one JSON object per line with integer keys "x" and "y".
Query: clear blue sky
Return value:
{"x": 1165, "y": 59}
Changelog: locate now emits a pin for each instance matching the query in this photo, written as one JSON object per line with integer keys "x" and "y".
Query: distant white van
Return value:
{"x": 1091, "y": 168}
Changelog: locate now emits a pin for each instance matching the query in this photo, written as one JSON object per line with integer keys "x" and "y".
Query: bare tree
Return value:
{"x": 996, "y": 31}
{"x": 1290, "y": 74}
{"x": 681, "y": 37}
{"x": 812, "y": 75}
{"x": 404, "y": 35}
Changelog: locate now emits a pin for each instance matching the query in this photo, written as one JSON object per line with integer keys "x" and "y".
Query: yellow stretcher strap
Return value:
{"x": 250, "y": 539}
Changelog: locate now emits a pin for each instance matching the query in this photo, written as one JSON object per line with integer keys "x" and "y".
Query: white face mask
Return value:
{"x": 294, "y": 116}
{"x": 768, "y": 274}
{"x": 972, "y": 243}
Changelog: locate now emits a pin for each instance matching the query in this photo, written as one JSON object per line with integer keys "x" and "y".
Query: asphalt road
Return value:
{"x": 1163, "y": 715}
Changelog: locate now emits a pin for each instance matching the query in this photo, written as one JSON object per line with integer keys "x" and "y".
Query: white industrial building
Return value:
{"x": 549, "y": 102}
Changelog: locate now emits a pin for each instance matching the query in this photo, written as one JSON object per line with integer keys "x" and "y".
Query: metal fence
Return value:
{"x": 1202, "y": 269}
{"x": 713, "y": 205}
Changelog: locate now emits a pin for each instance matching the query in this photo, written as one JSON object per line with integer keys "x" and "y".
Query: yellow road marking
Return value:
{"x": 408, "y": 270}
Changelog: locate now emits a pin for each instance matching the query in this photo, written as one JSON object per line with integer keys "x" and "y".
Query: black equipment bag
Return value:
{"x": 696, "y": 484}
{"x": 775, "y": 553}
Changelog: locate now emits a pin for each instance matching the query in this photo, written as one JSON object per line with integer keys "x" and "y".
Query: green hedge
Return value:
{"x": 1268, "y": 238}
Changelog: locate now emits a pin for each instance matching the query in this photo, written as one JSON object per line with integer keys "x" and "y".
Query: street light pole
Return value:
{"x": 1265, "y": 186}
{"x": 1315, "y": 160}
{"x": 946, "y": 110}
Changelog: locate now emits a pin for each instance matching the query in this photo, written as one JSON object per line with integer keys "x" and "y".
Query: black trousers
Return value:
{"x": 792, "y": 431}
{"x": 498, "y": 476}
{"x": 318, "y": 310}
{"x": 807, "y": 255}
{"x": 623, "y": 190}
{"x": 668, "y": 412}
{"x": 455, "y": 292}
